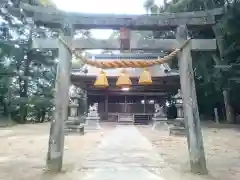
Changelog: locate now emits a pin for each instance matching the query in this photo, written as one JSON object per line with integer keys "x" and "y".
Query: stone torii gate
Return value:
{"x": 71, "y": 21}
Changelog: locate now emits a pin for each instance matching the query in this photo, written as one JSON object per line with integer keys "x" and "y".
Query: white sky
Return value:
{"x": 103, "y": 6}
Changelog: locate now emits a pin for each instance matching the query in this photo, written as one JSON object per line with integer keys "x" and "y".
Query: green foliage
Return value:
{"x": 211, "y": 81}
{"x": 26, "y": 76}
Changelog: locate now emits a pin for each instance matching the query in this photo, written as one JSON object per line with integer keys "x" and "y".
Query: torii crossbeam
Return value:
{"x": 51, "y": 17}
{"x": 156, "y": 44}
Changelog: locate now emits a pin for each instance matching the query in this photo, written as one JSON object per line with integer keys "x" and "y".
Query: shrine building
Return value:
{"x": 135, "y": 104}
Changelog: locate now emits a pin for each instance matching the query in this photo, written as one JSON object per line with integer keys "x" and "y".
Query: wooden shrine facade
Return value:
{"x": 139, "y": 100}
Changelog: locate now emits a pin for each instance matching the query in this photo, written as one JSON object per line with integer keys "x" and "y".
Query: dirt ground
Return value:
{"x": 24, "y": 148}
{"x": 222, "y": 148}
{"x": 23, "y": 152}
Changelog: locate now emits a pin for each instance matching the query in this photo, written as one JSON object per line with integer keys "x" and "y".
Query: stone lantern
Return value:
{"x": 178, "y": 127}
{"x": 74, "y": 122}
{"x": 179, "y": 106}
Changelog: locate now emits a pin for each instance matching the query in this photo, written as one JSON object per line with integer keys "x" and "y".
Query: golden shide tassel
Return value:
{"x": 124, "y": 80}
{"x": 145, "y": 78}
{"x": 101, "y": 80}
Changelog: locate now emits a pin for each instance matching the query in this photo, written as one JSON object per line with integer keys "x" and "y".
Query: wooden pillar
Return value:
{"x": 191, "y": 114}
{"x": 85, "y": 102}
{"x": 56, "y": 139}
{"x": 216, "y": 116}
{"x": 106, "y": 106}
{"x": 144, "y": 107}
{"x": 124, "y": 39}
{"x": 125, "y": 103}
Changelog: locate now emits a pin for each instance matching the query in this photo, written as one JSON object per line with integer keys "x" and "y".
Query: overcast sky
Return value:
{"x": 103, "y": 6}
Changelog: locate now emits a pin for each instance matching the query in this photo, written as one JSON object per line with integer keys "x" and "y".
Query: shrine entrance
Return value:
{"x": 137, "y": 104}
{"x": 67, "y": 47}
{"x": 136, "y": 109}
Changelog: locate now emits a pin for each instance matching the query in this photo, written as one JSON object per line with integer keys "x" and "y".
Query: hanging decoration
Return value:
{"x": 125, "y": 63}
{"x": 145, "y": 78}
{"x": 112, "y": 64}
{"x": 124, "y": 80}
{"x": 101, "y": 80}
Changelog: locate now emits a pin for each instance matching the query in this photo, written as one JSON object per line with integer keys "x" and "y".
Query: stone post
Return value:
{"x": 85, "y": 104}
{"x": 106, "y": 107}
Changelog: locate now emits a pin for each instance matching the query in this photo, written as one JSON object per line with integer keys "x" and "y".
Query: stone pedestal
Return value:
{"x": 178, "y": 126}
{"x": 160, "y": 118}
{"x": 92, "y": 123}
{"x": 92, "y": 119}
{"x": 159, "y": 122}
{"x": 74, "y": 124}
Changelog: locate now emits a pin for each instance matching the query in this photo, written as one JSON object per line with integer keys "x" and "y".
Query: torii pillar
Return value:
{"x": 190, "y": 105}
{"x": 61, "y": 102}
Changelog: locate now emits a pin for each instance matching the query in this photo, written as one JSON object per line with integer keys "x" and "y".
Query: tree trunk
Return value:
{"x": 226, "y": 96}
{"x": 228, "y": 107}
{"x": 165, "y": 3}
{"x": 23, "y": 113}
{"x": 24, "y": 89}
{"x": 43, "y": 114}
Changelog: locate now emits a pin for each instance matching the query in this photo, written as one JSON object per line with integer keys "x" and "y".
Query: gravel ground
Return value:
{"x": 222, "y": 148}
{"x": 24, "y": 148}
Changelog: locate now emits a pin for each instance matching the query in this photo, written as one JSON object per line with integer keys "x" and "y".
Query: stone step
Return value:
{"x": 157, "y": 119}
{"x": 177, "y": 131}
{"x": 160, "y": 125}
{"x": 125, "y": 123}
{"x": 73, "y": 105}
{"x": 75, "y": 126}
{"x": 78, "y": 129}
{"x": 74, "y": 123}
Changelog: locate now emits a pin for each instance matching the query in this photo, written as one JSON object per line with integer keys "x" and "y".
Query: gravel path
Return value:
{"x": 123, "y": 154}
